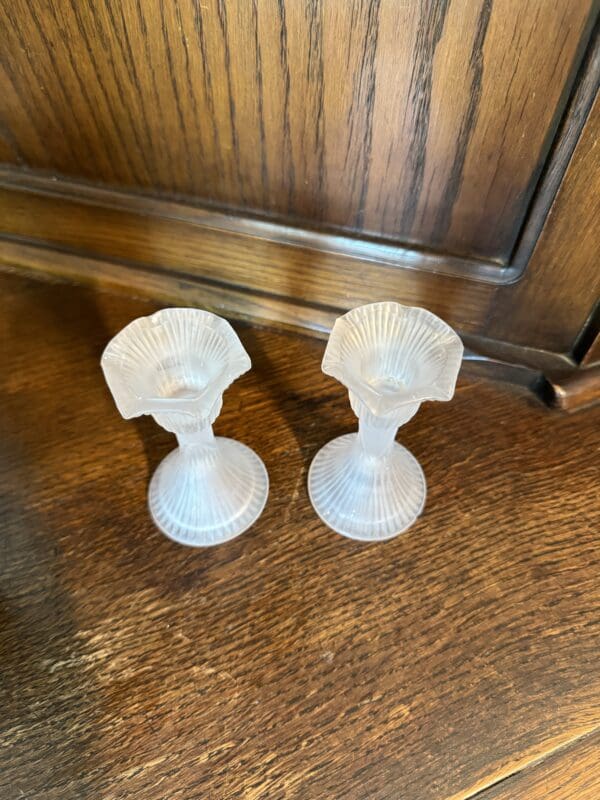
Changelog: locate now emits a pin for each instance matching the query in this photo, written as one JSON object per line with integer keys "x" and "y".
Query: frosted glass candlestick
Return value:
{"x": 390, "y": 357}
{"x": 175, "y": 365}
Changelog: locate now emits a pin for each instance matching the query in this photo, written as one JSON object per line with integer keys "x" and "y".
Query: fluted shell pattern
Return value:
{"x": 174, "y": 364}
{"x": 202, "y": 496}
{"x": 362, "y": 497}
{"x": 389, "y": 355}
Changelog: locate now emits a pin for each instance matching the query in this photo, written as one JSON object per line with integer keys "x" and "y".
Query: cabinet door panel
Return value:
{"x": 424, "y": 122}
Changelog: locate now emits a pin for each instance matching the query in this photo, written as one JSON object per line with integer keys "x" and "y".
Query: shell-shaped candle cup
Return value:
{"x": 175, "y": 365}
{"x": 390, "y": 356}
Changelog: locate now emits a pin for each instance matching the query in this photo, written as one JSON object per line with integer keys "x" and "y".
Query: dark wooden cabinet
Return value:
{"x": 288, "y": 160}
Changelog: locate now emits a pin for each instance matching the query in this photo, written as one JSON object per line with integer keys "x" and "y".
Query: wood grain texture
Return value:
{"x": 563, "y": 147}
{"x": 18, "y": 221}
{"x": 155, "y": 244}
{"x": 293, "y": 277}
{"x": 566, "y": 254}
{"x": 422, "y": 122}
{"x": 290, "y": 663}
{"x": 573, "y": 771}
{"x": 491, "y": 358}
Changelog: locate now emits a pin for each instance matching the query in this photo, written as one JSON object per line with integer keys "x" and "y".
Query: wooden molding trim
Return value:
{"x": 172, "y": 286}
{"x": 374, "y": 251}
{"x": 522, "y": 366}
{"x": 232, "y": 257}
{"x": 166, "y": 287}
{"x": 572, "y": 390}
{"x": 155, "y": 239}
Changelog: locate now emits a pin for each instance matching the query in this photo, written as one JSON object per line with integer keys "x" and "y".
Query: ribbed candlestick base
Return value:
{"x": 362, "y": 496}
{"x": 205, "y": 494}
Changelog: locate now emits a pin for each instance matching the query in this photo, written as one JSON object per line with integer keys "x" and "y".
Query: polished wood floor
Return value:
{"x": 460, "y": 660}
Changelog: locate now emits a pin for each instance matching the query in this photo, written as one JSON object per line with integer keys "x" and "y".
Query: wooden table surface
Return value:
{"x": 459, "y": 660}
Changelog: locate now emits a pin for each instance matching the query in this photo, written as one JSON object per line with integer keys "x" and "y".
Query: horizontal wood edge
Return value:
{"x": 498, "y": 360}
{"x": 536, "y": 771}
{"x": 371, "y": 250}
{"x": 275, "y": 272}
{"x": 163, "y": 286}
{"x": 527, "y": 761}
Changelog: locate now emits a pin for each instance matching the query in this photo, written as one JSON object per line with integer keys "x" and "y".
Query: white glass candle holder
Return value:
{"x": 175, "y": 365}
{"x": 390, "y": 357}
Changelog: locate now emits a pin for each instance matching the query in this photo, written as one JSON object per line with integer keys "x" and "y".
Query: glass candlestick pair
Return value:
{"x": 176, "y": 364}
